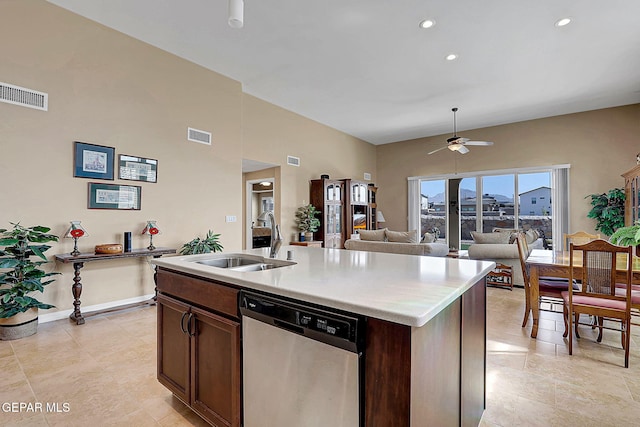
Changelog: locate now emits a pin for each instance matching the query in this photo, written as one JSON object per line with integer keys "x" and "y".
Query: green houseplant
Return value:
{"x": 608, "y": 210}
{"x": 627, "y": 236}
{"x": 307, "y": 221}
{"x": 211, "y": 243}
{"x": 21, "y": 276}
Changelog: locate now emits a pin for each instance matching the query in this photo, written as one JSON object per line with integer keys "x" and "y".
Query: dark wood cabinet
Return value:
{"x": 327, "y": 196}
{"x": 373, "y": 207}
{"x": 360, "y": 206}
{"x": 199, "y": 348}
{"x": 173, "y": 347}
{"x": 632, "y": 193}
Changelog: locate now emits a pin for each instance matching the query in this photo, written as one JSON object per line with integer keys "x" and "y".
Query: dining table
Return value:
{"x": 546, "y": 263}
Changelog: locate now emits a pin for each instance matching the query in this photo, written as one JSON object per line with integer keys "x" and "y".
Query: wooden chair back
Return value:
{"x": 578, "y": 238}
{"x": 597, "y": 297}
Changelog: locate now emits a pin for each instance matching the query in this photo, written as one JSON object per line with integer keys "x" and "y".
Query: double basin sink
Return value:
{"x": 243, "y": 262}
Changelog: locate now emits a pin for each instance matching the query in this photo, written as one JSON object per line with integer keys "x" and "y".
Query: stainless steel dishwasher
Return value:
{"x": 303, "y": 365}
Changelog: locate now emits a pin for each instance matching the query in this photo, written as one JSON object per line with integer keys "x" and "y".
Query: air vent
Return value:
{"x": 293, "y": 161}
{"x": 201, "y": 136}
{"x": 24, "y": 97}
{"x": 367, "y": 176}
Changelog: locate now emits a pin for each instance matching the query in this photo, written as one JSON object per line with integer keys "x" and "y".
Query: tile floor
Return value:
{"x": 103, "y": 373}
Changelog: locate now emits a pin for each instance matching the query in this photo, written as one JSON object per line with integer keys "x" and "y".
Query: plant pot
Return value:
{"x": 308, "y": 236}
{"x": 19, "y": 326}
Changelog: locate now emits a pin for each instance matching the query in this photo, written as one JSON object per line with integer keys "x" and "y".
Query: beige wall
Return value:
{"x": 599, "y": 145}
{"x": 109, "y": 89}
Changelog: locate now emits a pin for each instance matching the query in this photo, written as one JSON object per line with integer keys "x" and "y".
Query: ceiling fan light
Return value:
{"x": 451, "y": 57}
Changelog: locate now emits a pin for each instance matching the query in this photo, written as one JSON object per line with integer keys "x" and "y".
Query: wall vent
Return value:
{"x": 201, "y": 136}
{"x": 367, "y": 176}
{"x": 293, "y": 161}
{"x": 24, "y": 97}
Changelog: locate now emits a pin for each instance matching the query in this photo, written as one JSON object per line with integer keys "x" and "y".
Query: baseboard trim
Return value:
{"x": 44, "y": 317}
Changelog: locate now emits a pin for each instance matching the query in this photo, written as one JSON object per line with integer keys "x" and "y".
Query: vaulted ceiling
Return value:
{"x": 365, "y": 67}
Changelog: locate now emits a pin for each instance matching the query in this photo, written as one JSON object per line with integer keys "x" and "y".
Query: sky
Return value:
{"x": 497, "y": 184}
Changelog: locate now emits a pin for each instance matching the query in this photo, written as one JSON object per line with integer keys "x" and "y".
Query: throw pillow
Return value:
{"x": 402, "y": 236}
{"x": 490, "y": 237}
{"x": 428, "y": 238}
{"x": 372, "y": 235}
{"x": 531, "y": 236}
{"x": 513, "y": 233}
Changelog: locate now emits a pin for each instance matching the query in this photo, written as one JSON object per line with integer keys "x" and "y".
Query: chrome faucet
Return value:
{"x": 276, "y": 237}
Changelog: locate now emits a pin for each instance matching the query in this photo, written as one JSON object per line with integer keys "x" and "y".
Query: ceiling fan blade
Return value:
{"x": 478, "y": 143}
{"x": 436, "y": 150}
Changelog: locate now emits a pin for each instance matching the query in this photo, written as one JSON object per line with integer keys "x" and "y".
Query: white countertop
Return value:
{"x": 404, "y": 289}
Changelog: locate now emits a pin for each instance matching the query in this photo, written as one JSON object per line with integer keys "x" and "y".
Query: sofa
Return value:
{"x": 500, "y": 247}
{"x": 396, "y": 242}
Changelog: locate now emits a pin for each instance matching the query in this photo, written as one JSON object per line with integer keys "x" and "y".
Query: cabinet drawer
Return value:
{"x": 205, "y": 293}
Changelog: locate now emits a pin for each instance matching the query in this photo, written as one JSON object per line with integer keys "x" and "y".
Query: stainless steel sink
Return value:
{"x": 242, "y": 262}
{"x": 229, "y": 262}
{"x": 263, "y": 266}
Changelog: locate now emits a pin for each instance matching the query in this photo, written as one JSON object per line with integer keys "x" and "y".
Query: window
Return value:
{"x": 433, "y": 208}
{"x": 519, "y": 198}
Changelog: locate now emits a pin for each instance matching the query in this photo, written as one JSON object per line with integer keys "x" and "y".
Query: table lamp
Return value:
{"x": 75, "y": 232}
{"x": 151, "y": 229}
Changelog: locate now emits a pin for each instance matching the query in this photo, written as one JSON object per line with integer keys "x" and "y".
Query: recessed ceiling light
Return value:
{"x": 562, "y": 22}
{"x": 427, "y": 23}
{"x": 451, "y": 57}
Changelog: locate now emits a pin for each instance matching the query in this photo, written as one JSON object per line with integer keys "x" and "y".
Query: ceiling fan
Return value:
{"x": 458, "y": 143}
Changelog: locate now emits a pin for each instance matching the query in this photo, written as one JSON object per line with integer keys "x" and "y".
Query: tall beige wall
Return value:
{"x": 106, "y": 88}
{"x": 599, "y": 145}
{"x": 271, "y": 134}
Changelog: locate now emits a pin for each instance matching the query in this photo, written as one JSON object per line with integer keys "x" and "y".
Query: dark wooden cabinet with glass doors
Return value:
{"x": 359, "y": 210}
{"x": 327, "y": 196}
{"x": 632, "y": 193}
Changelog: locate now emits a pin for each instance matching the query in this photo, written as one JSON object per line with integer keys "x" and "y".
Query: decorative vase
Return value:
{"x": 19, "y": 326}
{"x": 302, "y": 237}
{"x": 308, "y": 236}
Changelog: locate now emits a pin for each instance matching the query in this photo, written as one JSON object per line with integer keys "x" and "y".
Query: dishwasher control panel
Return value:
{"x": 318, "y": 323}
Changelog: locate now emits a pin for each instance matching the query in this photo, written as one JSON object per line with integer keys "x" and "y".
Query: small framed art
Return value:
{"x": 93, "y": 161}
{"x": 137, "y": 168}
{"x": 113, "y": 196}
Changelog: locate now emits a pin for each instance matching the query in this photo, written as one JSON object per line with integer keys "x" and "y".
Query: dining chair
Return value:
{"x": 602, "y": 295}
{"x": 578, "y": 238}
{"x": 550, "y": 289}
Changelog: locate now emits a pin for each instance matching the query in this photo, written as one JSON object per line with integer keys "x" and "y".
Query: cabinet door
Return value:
{"x": 173, "y": 346}
{"x": 215, "y": 362}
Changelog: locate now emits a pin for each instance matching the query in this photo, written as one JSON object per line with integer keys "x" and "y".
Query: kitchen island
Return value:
{"x": 425, "y": 328}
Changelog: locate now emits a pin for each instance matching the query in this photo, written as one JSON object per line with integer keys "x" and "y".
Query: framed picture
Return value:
{"x": 113, "y": 196}
{"x": 137, "y": 168}
{"x": 93, "y": 161}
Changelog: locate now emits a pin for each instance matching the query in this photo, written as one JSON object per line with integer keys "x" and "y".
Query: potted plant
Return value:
{"x": 627, "y": 236}
{"x": 608, "y": 210}
{"x": 307, "y": 221}
{"x": 20, "y": 277}
{"x": 211, "y": 243}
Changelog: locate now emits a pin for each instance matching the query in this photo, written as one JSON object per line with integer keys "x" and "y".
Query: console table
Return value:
{"x": 79, "y": 260}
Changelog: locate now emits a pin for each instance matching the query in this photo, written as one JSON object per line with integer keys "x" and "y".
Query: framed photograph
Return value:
{"x": 93, "y": 161}
{"x": 113, "y": 196}
{"x": 137, "y": 168}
